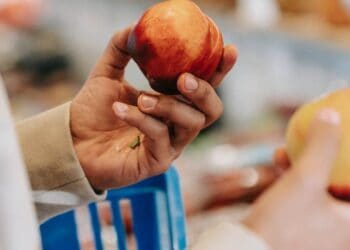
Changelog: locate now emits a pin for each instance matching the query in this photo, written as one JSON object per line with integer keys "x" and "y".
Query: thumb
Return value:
{"x": 115, "y": 57}
{"x": 321, "y": 148}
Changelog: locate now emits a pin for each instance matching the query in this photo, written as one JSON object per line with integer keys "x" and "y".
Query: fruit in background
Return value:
{"x": 298, "y": 128}
{"x": 20, "y": 13}
{"x": 297, "y": 6}
{"x": 174, "y": 37}
{"x": 334, "y": 11}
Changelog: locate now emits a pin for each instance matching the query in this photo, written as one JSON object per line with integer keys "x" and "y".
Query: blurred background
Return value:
{"x": 290, "y": 51}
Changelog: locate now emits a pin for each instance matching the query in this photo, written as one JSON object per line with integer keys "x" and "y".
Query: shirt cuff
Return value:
{"x": 228, "y": 236}
{"x": 58, "y": 181}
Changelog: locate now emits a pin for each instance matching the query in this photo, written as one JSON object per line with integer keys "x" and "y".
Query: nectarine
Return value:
{"x": 174, "y": 37}
{"x": 299, "y": 126}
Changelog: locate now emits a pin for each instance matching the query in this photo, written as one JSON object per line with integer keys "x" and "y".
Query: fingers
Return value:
{"x": 187, "y": 121}
{"x": 202, "y": 95}
{"x": 229, "y": 59}
{"x": 156, "y": 132}
{"x": 202, "y": 107}
{"x": 240, "y": 184}
{"x": 173, "y": 110}
{"x": 115, "y": 57}
{"x": 321, "y": 148}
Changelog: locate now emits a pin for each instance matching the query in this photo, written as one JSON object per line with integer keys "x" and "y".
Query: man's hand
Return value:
{"x": 298, "y": 213}
{"x": 122, "y": 135}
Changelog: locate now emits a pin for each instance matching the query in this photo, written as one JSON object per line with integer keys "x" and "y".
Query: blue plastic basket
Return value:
{"x": 157, "y": 211}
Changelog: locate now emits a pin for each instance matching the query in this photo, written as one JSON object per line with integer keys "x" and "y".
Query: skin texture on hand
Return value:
{"x": 122, "y": 135}
{"x": 298, "y": 213}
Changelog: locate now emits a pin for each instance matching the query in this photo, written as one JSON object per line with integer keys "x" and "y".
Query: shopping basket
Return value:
{"x": 158, "y": 218}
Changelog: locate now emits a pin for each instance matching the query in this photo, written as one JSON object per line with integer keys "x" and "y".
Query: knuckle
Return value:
{"x": 168, "y": 106}
{"x": 200, "y": 122}
{"x": 114, "y": 39}
{"x": 143, "y": 119}
{"x": 204, "y": 93}
{"x": 162, "y": 130}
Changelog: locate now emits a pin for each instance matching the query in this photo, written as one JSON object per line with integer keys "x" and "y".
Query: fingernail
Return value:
{"x": 148, "y": 102}
{"x": 191, "y": 84}
{"x": 120, "y": 109}
{"x": 330, "y": 116}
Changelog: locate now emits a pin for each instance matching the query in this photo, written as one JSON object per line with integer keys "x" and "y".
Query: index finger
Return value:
{"x": 115, "y": 57}
{"x": 202, "y": 95}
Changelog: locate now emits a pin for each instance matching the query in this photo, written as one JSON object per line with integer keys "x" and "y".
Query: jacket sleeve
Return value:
{"x": 230, "y": 237}
{"x": 57, "y": 179}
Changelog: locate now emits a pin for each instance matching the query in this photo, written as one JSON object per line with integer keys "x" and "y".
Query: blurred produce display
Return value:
{"x": 20, "y": 13}
{"x": 297, "y": 6}
{"x": 336, "y": 12}
{"x": 222, "y": 5}
{"x": 37, "y": 71}
{"x": 293, "y": 51}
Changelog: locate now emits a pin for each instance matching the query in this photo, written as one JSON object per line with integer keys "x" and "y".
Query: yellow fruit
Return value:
{"x": 299, "y": 126}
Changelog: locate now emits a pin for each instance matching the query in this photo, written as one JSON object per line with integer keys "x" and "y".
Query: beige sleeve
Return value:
{"x": 229, "y": 236}
{"x": 57, "y": 179}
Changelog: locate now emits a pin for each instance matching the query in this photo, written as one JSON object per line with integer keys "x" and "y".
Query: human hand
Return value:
{"x": 237, "y": 185}
{"x": 122, "y": 135}
{"x": 298, "y": 213}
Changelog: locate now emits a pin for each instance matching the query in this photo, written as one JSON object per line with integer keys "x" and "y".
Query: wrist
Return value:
{"x": 79, "y": 148}
{"x": 72, "y": 123}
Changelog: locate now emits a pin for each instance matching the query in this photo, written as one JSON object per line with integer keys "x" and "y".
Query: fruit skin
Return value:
{"x": 298, "y": 128}
{"x": 175, "y": 37}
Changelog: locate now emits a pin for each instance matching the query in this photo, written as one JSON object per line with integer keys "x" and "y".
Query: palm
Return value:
{"x": 104, "y": 136}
